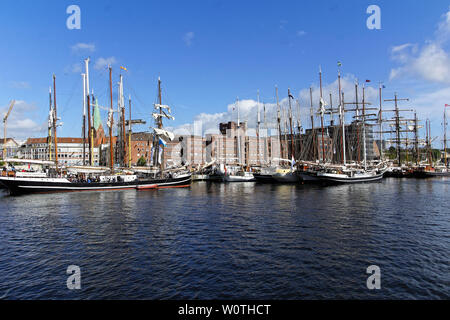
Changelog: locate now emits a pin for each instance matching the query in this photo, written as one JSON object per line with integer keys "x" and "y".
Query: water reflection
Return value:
{"x": 236, "y": 240}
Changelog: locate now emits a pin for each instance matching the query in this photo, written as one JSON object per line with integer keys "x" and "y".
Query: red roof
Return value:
{"x": 60, "y": 140}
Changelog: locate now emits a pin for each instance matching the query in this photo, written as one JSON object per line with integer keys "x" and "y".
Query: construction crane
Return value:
{"x": 5, "y": 121}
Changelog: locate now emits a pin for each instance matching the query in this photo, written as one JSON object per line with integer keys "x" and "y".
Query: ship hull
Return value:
{"x": 337, "y": 179}
{"x": 433, "y": 174}
{"x": 286, "y": 178}
{"x": 18, "y": 186}
{"x": 215, "y": 178}
{"x": 308, "y": 176}
{"x": 264, "y": 178}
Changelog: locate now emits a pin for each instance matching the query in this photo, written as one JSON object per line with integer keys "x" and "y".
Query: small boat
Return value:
{"x": 265, "y": 175}
{"x": 398, "y": 172}
{"x": 430, "y": 172}
{"x": 286, "y": 176}
{"x": 308, "y": 176}
{"x": 351, "y": 176}
{"x": 240, "y": 176}
{"x": 264, "y": 178}
{"x": 200, "y": 177}
{"x": 437, "y": 173}
{"x": 147, "y": 187}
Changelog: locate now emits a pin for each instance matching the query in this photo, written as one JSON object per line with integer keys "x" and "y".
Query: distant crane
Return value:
{"x": 5, "y": 122}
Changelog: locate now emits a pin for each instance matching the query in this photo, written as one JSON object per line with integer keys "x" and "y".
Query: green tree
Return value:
{"x": 392, "y": 153}
{"x": 436, "y": 154}
{"x": 142, "y": 162}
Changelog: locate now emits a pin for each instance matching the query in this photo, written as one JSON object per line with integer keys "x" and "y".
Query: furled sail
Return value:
{"x": 164, "y": 134}
{"x": 162, "y": 106}
{"x": 156, "y": 116}
{"x": 97, "y": 118}
{"x": 323, "y": 104}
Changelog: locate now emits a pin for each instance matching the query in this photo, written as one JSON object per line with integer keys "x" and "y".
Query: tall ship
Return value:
{"x": 56, "y": 178}
{"x": 434, "y": 170}
{"x": 345, "y": 172}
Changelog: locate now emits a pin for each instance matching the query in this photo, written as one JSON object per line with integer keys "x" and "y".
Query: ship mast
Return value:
{"x": 358, "y": 147}
{"x": 364, "y": 126}
{"x": 286, "y": 147}
{"x": 92, "y": 127}
{"x": 258, "y": 133}
{"x": 331, "y": 110}
{"x": 290, "y": 124}
{"x": 84, "y": 118}
{"x": 238, "y": 132}
{"x": 322, "y": 112}
{"x": 86, "y": 62}
{"x": 122, "y": 107}
{"x": 445, "y": 138}
{"x": 299, "y": 127}
{"x": 160, "y": 125}
{"x": 111, "y": 123}
{"x": 380, "y": 122}
{"x": 50, "y": 125}
{"x": 342, "y": 114}
{"x": 430, "y": 155}
{"x": 129, "y": 134}
{"x": 266, "y": 145}
{"x": 279, "y": 122}
{"x": 416, "y": 138}
{"x": 313, "y": 131}
{"x": 55, "y": 115}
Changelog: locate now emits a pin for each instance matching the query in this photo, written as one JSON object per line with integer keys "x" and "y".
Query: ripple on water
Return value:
{"x": 230, "y": 241}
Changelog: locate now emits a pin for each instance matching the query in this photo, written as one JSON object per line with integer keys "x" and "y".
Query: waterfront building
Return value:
{"x": 70, "y": 151}
{"x": 12, "y": 147}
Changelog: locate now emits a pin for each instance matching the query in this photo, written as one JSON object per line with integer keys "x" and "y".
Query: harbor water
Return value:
{"x": 230, "y": 241}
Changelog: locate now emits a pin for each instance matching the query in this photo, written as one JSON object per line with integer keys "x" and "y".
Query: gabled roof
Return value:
{"x": 8, "y": 140}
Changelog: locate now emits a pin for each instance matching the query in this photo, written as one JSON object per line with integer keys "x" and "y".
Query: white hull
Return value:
{"x": 200, "y": 177}
{"x": 343, "y": 178}
{"x": 232, "y": 178}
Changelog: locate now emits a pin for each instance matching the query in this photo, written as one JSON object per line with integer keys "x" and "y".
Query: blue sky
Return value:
{"x": 210, "y": 52}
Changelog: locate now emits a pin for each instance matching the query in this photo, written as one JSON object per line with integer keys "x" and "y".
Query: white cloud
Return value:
{"x": 90, "y": 47}
{"x": 188, "y": 38}
{"x": 74, "y": 68}
{"x": 19, "y": 85}
{"x": 102, "y": 63}
{"x": 209, "y": 122}
{"x": 22, "y": 120}
{"x": 301, "y": 33}
{"x": 429, "y": 61}
{"x": 431, "y": 103}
